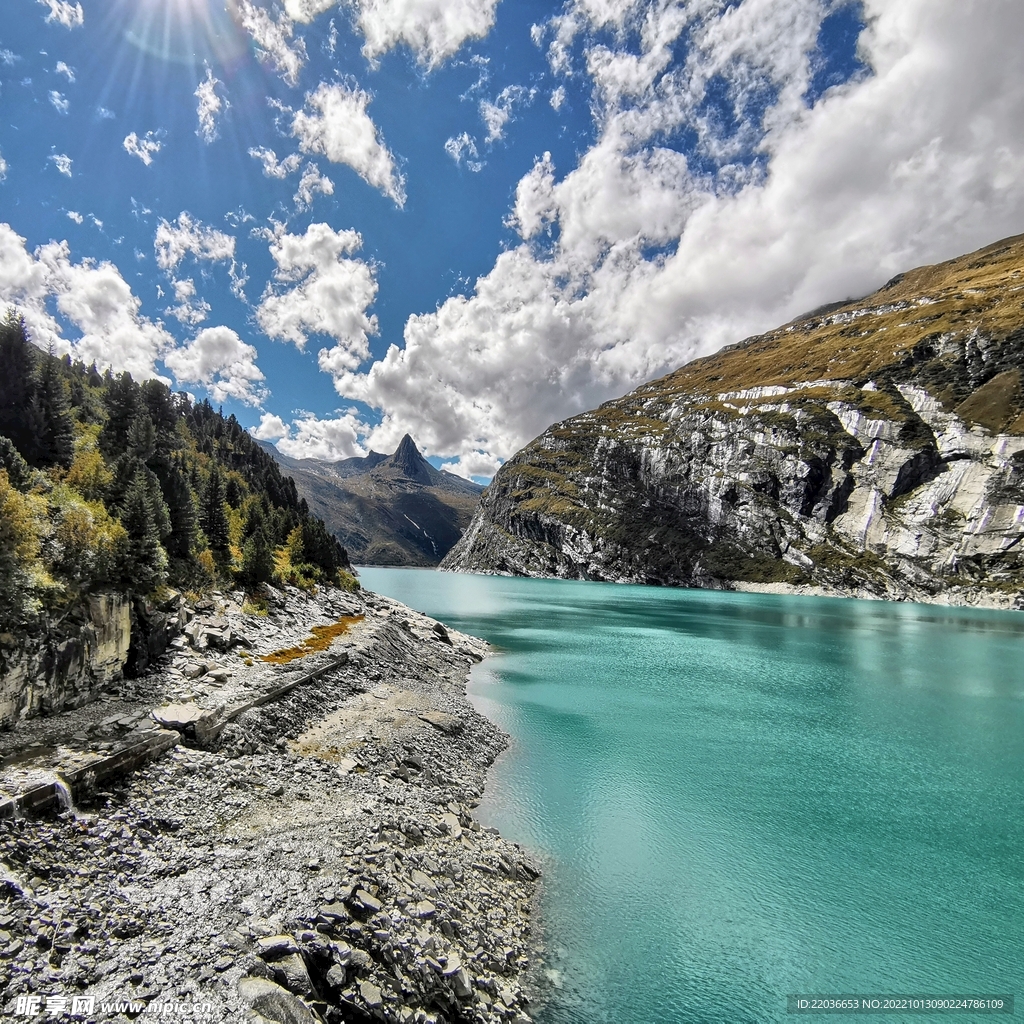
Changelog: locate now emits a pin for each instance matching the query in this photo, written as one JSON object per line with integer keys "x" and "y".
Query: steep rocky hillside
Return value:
{"x": 115, "y": 498}
{"x": 872, "y": 447}
{"x": 386, "y": 509}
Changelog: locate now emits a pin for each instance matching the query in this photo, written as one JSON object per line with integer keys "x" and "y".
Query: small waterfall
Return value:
{"x": 65, "y": 800}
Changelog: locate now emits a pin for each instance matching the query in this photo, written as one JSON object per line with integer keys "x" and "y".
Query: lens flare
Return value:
{"x": 182, "y": 31}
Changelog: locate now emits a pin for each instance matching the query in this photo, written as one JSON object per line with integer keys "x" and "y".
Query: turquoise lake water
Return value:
{"x": 744, "y": 797}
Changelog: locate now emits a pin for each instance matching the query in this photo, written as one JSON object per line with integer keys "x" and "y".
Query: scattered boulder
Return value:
{"x": 291, "y": 972}
{"x": 273, "y": 1003}
{"x": 177, "y": 716}
{"x": 440, "y": 720}
{"x": 368, "y": 902}
{"x": 371, "y": 994}
{"x": 274, "y": 946}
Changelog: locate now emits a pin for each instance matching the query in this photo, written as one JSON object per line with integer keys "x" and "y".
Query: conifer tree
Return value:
{"x": 233, "y": 492}
{"x": 121, "y": 399}
{"x": 213, "y": 518}
{"x": 17, "y": 384}
{"x": 54, "y": 440}
{"x": 146, "y": 563}
{"x": 17, "y": 468}
{"x": 322, "y": 548}
{"x": 257, "y": 553}
{"x": 141, "y": 440}
{"x": 181, "y": 511}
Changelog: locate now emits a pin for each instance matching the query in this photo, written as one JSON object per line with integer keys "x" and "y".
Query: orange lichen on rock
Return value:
{"x": 320, "y": 639}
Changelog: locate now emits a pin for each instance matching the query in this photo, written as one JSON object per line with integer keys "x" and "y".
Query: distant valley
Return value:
{"x": 386, "y": 509}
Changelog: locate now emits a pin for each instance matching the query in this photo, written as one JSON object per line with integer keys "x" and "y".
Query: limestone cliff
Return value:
{"x": 873, "y": 447}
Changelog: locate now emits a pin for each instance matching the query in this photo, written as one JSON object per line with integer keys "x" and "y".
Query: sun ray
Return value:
{"x": 182, "y": 31}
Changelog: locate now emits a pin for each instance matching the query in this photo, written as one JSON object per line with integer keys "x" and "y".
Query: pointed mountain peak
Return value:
{"x": 406, "y": 448}
{"x": 409, "y": 462}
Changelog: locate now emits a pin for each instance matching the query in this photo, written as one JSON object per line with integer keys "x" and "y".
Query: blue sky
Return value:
{"x": 469, "y": 219}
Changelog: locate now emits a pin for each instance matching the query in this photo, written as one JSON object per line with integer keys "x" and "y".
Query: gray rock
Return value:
{"x": 273, "y": 1003}
{"x": 274, "y": 946}
{"x": 291, "y": 972}
{"x": 440, "y": 720}
{"x": 371, "y": 994}
{"x": 361, "y": 960}
{"x": 371, "y": 903}
{"x": 451, "y": 823}
{"x": 334, "y": 912}
{"x": 463, "y": 983}
{"x": 423, "y": 881}
{"x": 177, "y": 716}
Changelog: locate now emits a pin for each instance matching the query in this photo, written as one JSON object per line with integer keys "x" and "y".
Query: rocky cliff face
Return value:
{"x": 872, "y": 448}
{"x": 69, "y": 667}
{"x": 68, "y": 663}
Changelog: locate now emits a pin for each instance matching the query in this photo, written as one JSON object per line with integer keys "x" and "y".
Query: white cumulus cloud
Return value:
{"x": 210, "y": 106}
{"x": 274, "y": 39}
{"x": 59, "y": 101}
{"x": 272, "y": 167}
{"x": 191, "y": 309}
{"x": 304, "y": 11}
{"x": 432, "y": 29}
{"x": 67, "y": 14}
{"x": 318, "y": 289}
{"x": 63, "y": 69}
{"x": 270, "y": 428}
{"x": 473, "y": 465}
{"x": 3, "y": 167}
{"x": 497, "y": 113}
{"x": 309, "y": 437}
{"x": 186, "y": 236}
{"x": 221, "y": 362}
{"x": 76, "y": 216}
{"x": 311, "y": 184}
{"x": 334, "y": 123}
{"x": 91, "y": 296}
{"x": 63, "y": 163}
{"x": 788, "y": 205}
{"x": 143, "y": 148}
{"x": 463, "y": 147}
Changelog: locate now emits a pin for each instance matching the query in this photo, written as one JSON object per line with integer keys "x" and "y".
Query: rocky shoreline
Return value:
{"x": 308, "y": 853}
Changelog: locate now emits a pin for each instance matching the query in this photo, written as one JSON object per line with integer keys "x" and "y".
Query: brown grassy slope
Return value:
{"x": 912, "y": 330}
{"x": 982, "y": 291}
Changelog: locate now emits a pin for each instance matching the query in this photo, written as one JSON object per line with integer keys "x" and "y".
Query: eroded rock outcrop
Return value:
{"x": 67, "y": 662}
{"x": 875, "y": 448}
{"x": 71, "y": 664}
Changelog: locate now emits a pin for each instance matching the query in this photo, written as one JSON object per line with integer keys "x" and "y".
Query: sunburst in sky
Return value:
{"x": 466, "y": 219}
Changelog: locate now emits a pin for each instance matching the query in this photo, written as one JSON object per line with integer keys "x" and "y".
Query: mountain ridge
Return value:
{"x": 872, "y": 447}
{"x": 386, "y": 509}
